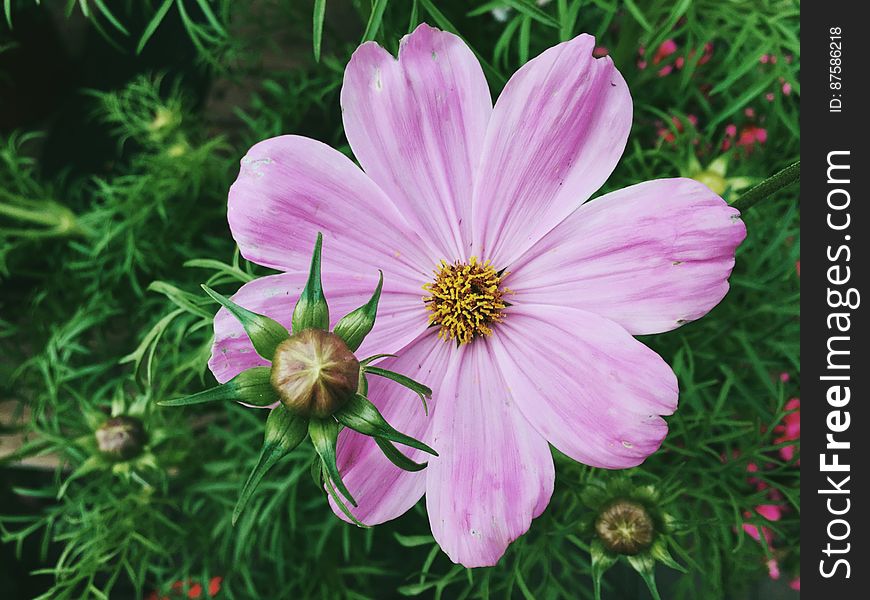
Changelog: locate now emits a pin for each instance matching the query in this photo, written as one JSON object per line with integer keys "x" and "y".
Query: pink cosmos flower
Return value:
{"x": 505, "y": 292}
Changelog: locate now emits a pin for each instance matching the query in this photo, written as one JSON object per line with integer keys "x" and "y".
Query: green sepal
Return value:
{"x": 659, "y": 552}
{"x": 415, "y": 386}
{"x": 594, "y": 496}
{"x": 316, "y": 472}
{"x": 311, "y": 309}
{"x": 265, "y": 333}
{"x": 324, "y": 435}
{"x": 251, "y": 386}
{"x": 363, "y": 385}
{"x": 601, "y": 561}
{"x": 361, "y": 415}
{"x": 364, "y": 362}
{"x": 356, "y": 325}
{"x": 327, "y": 483}
{"x": 396, "y": 457}
{"x": 284, "y": 431}
{"x": 645, "y": 565}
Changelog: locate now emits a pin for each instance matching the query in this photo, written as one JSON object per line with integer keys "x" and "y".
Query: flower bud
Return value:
{"x": 163, "y": 118}
{"x": 121, "y": 438}
{"x": 712, "y": 180}
{"x": 314, "y": 373}
{"x": 625, "y": 527}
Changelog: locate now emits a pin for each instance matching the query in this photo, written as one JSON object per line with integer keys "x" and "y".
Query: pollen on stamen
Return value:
{"x": 465, "y": 299}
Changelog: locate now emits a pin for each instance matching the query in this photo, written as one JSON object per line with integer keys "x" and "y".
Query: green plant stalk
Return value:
{"x": 769, "y": 186}
{"x": 58, "y": 219}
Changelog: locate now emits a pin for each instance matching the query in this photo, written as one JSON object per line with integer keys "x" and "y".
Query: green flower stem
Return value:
{"x": 57, "y": 219}
{"x": 769, "y": 186}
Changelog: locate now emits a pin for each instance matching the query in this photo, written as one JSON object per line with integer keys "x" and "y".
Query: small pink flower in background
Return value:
{"x": 515, "y": 299}
{"x": 666, "y": 48}
{"x": 773, "y": 513}
{"x": 705, "y": 57}
{"x": 600, "y": 51}
{"x": 786, "y": 88}
{"x": 748, "y": 137}
{"x": 667, "y": 134}
{"x": 751, "y": 135}
{"x": 773, "y": 569}
{"x": 790, "y": 429}
{"x": 194, "y": 590}
{"x": 784, "y": 377}
{"x": 708, "y": 54}
{"x": 795, "y": 584}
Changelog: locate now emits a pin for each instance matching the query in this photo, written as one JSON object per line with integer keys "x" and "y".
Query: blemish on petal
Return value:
{"x": 677, "y": 262}
{"x": 379, "y": 85}
{"x": 255, "y": 166}
{"x": 627, "y": 444}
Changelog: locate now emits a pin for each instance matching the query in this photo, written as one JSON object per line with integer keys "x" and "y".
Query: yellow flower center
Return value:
{"x": 465, "y": 299}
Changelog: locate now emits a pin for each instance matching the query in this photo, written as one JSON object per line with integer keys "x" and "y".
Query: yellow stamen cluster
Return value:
{"x": 465, "y": 299}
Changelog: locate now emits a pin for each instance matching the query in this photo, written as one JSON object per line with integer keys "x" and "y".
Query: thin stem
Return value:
{"x": 45, "y": 215}
{"x": 58, "y": 220}
{"x": 769, "y": 186}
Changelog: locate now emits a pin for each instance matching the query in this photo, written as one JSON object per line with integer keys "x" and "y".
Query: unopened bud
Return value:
{"x": 163, "y": 118}
{"x": 121, "y": 438}
{"x": 314, "y": 373}
{"x": 712, "y": 180}
{"x": 625, "y": 527}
